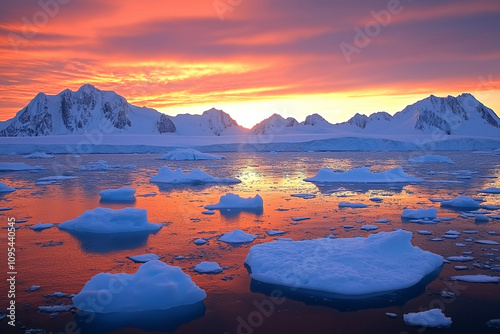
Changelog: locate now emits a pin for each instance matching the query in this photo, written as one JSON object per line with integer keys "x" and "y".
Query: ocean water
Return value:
{"x": 59, "y": 261}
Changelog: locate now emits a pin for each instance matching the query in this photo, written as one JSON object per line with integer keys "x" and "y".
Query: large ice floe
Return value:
{"x": 125, "y": 194}
{"x": 155, "y": 286}
{"x": 235, "y": 202}
{"x": 431, "y": 318}
{"x": 363, "y": 175}
{"x": 344, "y": 267}
{"x": 462, "y": 203}
{"x": 189, "y": 154}
{"x": 17, "y": 166}
{"x": 5, "y": 188}
{"x": 197, "y": 176}
{"x": 104, "y": 220}
{"x": 431, "y": 158}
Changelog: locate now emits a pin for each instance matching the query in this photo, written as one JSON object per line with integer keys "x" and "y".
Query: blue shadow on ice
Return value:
{"x": 109, "y": 242}
{"x": 347, "y": 303}
{"x": 150, "y": 321}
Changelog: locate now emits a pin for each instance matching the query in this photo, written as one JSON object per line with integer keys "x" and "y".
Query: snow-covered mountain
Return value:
{"x": 90, "y": 110}
{"x": 462, "y": 115}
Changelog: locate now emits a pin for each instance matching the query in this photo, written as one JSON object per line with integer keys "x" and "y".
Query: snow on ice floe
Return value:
{"x": 155, "y": 286}
{"x": 41, "y": 226}
{"x": 17, "y": 166}
{"x": 431, "y": 158}
{"x": 38, "y": 155}
{"x": 237, "y": 237}
{"x": 462, "y": 202}
{"x": 125, "y": 194}
{"x": 5, "y": 188}
{"x": 429, "y": 213}
{"x": 431, "y": 318}
{"x": 189, "y": 154}
{"x": 102, "y": 165}
{"x": 104, "y": 220}
{"x": 208, "y": 268}
{"x": 380, "y": 263}
{"x": 479, "y": 278}
{"x": 352, "y": 205}
{"x": 144, "y": 258}
{"x": 233, "y": 201}
{"x": 363, "y": 175}
{"x": 491, "y": 190}
{"x": 197, "y": 176}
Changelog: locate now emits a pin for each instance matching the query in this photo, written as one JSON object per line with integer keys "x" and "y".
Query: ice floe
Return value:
{"x": 380, "y": 263}
{"x": 431, "y": 318}
{"x": 41, "y": 226}
{"x": 462, "y": 202}
{"x": 352, "y": 205}
{"x": 487, "y": 242}
{"x": 431, "y": 158}
{"x": 17, "y": 166}
{"x": 125, "y": 194}
{"x": 419, "y": 213}
{"x": 208, "y": 268}
{"x": 155, "y": 286}
{"x": 104, "y": 220}
{"x": 197, "y": 176}
{"x": 237, "y": 237}
{"x": 5, "y": 188}
{"x": 491, "y": 190}
{"x": 363, "y": 175}
{"x": 189, "y": 154}
{"x": 479, "y": 278}
{"x": 144, "y": 258}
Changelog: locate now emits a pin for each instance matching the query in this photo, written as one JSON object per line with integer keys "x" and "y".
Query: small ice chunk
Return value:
{"x": 424, "y": 232}
{"x": 479, "y": 278}
{"x": 452, "y": 232}
{"x": 431, "y": 158}
{"x": 297, "y": 219}
{"x": 461, "y": 267}
{"x": 447, "y": 294}
{"x": 189, "y": 154}
{"x": 487, "y": 242}
{"x": 304, "y": 196}
{"x": 391, "y": 315}
{"x": 382, "y": 221}
{"x": 491, "y": 190}
{"x": 197, "y": 176}
{"x": 352, "y": 205}
{"x": 460, "y": 258}
{"x": 125, "y": 194}
{"x": 369, "y": 227}
{"x": 208, "y": 268}
{"x": 237, "y": 237}
{"x": 55, "y": 308}
{"x": 376, "y": 199}
{"x": 5, "y": 188}
{"x": 481, "y": 219}
{"x": 493, "y": 323}
{"x": 419, "y": 213}
{"x": 41, "y": 226}
{"x": 144, "y": 258}
{"x": 431, "y": 318}
{"x": 57, "y": 294}
{"x": 33, "y": 288}
{"x": 273, "y": 233}
{"x": 200, "y": 242}
{"x": 208, "y": 212}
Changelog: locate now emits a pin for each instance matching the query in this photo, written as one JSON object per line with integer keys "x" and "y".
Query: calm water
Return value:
{"x": 58, "y": 261}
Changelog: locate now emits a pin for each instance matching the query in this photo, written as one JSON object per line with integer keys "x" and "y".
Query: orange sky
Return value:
{"x": 252, "y": 58}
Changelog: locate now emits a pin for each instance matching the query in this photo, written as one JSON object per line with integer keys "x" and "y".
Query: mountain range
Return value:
{"x": 90, "y": 110}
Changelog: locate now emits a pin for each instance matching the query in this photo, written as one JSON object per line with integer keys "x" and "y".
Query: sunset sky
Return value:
{"x": 252, "y": 58}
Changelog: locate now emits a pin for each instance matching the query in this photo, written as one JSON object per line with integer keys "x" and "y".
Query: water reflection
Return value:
{"x": 149, "y": 321}
{"x": 110, "y": 242}
{"x": 328, "y": 188}
{"x": 347, "y": 303}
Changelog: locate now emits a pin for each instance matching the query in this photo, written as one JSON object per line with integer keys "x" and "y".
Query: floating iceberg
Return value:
{"x": 197, "y": 176}
{"x": 363, "y": 175}
{"x": 125, "y": 194}
{"x": 233, "y": 201}
{"x": 155, "y": 286}
{"x": 189, "y": 154}
{"x": 462, "y": 202}
{"x": 419, "y": 213}
{"x": 17, "y": 166}
{"x": 352, "y": 205}
{"x": 430, "y": 318}
{"x": 104, "y": 220}
{"x": 491, "y": 190}
{"x": 38, "y": 155}
{"x": 237, "y": 237}
{"x": 5, "y": 188}
{"x": 432, "y": 158}
{"x": 378, "y": 264}
{"x": 208, "y": 268}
